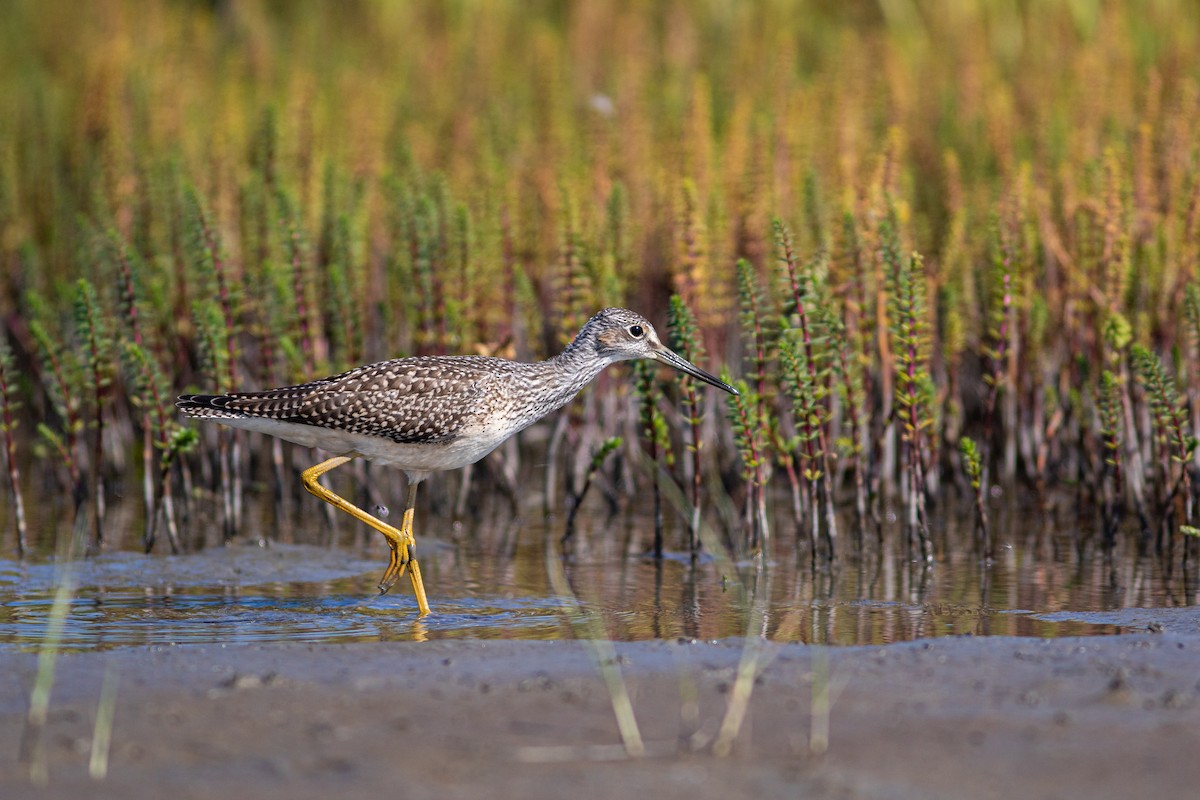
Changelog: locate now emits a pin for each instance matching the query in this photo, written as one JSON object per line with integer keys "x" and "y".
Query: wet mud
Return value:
{"x": 1095, "y": 717}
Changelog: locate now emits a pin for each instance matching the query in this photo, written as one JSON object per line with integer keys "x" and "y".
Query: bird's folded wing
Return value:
{"x": 408, "y": 402}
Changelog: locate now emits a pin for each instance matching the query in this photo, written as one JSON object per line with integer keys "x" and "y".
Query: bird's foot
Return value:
{"x": 402, "y": 554}
{"x": 404, "y": 559}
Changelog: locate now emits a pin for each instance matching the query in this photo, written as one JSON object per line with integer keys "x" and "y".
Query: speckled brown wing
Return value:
{"x": 422, "y": 400}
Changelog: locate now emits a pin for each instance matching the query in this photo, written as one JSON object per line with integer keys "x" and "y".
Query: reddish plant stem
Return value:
{"x": 822, "y": 445}
{"x": 760, "y": 533}
{"x": 230, "y": 442}
{"x": 916, "y": 473}
{"x": 648, "y": 415}
{"x": 68, "y": 448}
{"x": 98, "y": 395}
{"x": 852, "y": 415}
{"x": 691, "y": 410}
{"x": 129, "y": 295}
{"x": 14, "y": 471}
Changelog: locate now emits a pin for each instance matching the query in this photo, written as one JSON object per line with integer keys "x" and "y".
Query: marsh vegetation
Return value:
{"x": 948, "y": 250}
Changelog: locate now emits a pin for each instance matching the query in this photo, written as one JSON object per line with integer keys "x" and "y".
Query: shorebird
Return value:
{"x": 426, "y": 414}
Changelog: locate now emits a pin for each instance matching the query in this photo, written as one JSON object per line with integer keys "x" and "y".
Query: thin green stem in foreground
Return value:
{"x": 588, "y": 621}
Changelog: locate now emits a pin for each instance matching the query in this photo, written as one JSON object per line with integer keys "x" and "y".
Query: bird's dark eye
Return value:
{"x": 636, "y": 331}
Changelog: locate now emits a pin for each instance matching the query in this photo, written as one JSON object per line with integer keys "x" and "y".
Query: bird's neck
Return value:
{"x": 568, "y": 372}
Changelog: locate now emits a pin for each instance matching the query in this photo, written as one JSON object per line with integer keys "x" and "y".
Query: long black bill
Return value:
{"x": 678, "y": 362}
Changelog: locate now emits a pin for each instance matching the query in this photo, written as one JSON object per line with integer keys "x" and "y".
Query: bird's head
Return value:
{"x": 619, "y": 334}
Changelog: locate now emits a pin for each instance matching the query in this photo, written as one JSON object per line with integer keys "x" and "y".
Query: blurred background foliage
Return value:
{"x": 259, "y": 192}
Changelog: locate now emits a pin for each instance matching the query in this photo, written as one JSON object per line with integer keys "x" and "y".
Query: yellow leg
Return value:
{"x": 408, "y": 559}
{"x": 402, "y": 542}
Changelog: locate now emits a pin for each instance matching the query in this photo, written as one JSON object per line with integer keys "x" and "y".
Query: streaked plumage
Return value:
{"x": 430, "y": 413}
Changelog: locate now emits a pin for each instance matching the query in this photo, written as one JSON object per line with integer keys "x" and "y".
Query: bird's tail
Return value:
{"x": 207, "y": 406}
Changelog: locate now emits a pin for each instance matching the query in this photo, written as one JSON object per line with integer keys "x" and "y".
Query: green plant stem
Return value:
{"x": 102, "y": 731}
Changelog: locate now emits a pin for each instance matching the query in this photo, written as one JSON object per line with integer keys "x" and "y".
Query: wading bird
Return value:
{"x": 430, "y": 413}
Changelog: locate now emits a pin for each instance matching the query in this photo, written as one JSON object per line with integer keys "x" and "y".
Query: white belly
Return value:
{"x": 413, "y": 458}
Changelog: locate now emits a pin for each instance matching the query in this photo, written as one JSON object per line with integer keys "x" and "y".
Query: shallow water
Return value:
{"x": 297, "y": 593}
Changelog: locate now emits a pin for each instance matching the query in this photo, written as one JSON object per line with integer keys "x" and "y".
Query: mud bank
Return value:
{"x": 978, "y": 717}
